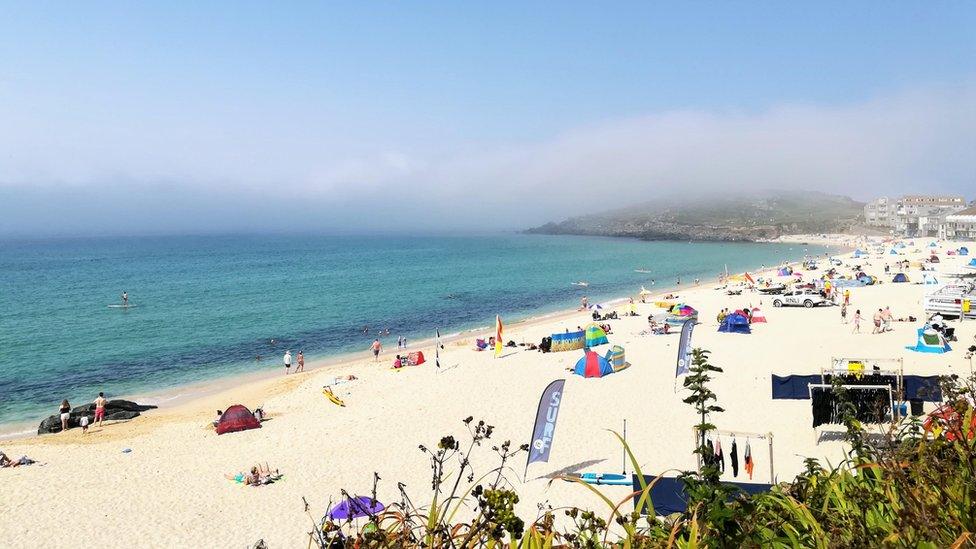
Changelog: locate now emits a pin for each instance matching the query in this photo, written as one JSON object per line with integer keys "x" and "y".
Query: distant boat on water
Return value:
{"x": 642, "y": 271}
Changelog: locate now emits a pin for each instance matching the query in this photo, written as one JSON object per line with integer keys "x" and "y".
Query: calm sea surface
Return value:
{"x": 210, "y": 306}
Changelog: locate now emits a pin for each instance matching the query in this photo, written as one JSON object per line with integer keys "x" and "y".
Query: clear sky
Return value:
{"x": 220, "y": 116}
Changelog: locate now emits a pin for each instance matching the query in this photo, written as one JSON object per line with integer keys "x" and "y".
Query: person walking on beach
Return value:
{"x": 857, "y": 322}
{"x": 886, "y": 319}
{"x": 399, "y": 342}
{"x": 843, "y": 313}
{"x": 287, "y": 360}
{"x": 877, "y": 322}
{"x": 847, "y": 297}
{"x": 376, "y": 347}
{"x": 65, "y": 411}
{"x": 301, "y": 362}
{"x": 100, "y": 409}
{"x": 404, "y": 342}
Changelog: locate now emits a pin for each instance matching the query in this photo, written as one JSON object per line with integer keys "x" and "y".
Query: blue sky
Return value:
{"x": 196, "y": 117}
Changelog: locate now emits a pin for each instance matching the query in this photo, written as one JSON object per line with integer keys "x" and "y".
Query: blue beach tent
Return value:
{"x": 735, "y": 324}
{"x": 963, "y": 251}
{"x": 592, "y": 365}
{"x": 929, "y": 341}
{"x": 900, "y": 277}
{"x": 893, "y": 252}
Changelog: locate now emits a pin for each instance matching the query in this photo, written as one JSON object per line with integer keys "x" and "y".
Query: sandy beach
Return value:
{"x": 170, "y": 489}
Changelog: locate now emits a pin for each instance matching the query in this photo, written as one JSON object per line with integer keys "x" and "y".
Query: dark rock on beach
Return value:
{"x": 114, "y": 410}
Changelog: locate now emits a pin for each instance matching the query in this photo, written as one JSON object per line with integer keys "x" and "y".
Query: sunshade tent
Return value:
{"x": 930, "y": 341}
{"x": 592, "y": 365}
{"x": 359, "y": 506}
{"x": 617, "y": 358}
{"x": 893, "y": 252}
{"x": 784, "y": 271}
{"x": 595, "y": 336}
{"x": 735, "y": 323}
{"x": 963, "y": 250}
{"x": 934, "y": 259}
{"x": 933, "y": 245}
{"x": 237, "y": 418}
{"x": 972, "y": 264}
{"x": 929, "y": 279}
{"x": 900, "y": 277}
{"x": 757, "y": 316}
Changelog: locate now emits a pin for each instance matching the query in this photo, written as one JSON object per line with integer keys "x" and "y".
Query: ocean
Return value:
{"x": 211, "y": 306}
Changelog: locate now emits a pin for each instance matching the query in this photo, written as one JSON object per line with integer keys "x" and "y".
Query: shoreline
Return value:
{"x": 190, "y": 397}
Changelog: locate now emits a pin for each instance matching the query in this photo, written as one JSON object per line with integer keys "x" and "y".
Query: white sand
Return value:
{"x": 170, "y": 491}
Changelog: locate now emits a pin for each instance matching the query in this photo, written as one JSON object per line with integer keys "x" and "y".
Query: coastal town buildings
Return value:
{"x": 961, "y": 225}
{"x": 914, "y": 215}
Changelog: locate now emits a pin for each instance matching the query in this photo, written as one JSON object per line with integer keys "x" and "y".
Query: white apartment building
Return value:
{"x": 961, "y": 225}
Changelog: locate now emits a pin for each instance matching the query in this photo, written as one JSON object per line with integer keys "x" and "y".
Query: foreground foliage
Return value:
{"x": 914, "y": 487}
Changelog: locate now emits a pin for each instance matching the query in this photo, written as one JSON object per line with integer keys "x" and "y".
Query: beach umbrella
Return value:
{"x": 683, "y": 310}
{"x": 359, "y": 506}
{"x": 595, "y": 306}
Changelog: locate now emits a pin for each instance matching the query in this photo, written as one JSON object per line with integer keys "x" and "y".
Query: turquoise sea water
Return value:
{"x": 210, "y": 306}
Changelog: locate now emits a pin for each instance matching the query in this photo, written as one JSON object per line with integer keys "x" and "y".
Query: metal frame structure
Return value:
{"x": 768, "y": 437}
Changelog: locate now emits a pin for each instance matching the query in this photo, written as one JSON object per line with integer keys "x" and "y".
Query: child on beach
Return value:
{"x": 83, "y": 421}
{"x": 857, "y": 322}
{"x": 843, "y": 313}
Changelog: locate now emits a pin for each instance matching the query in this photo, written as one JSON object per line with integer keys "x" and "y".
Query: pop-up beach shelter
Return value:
{"x": 930, "y": 341}
{"x": 971, "y": 264}
{"x": 927, "y": 278}
{"x": 933, "y": 245}
{"x": 617, "y": 358}
{"x": 735, "y": 323}
{"x": 963, "y": 250}
{"x": 859, "y": 253}
{"x": 757, "y": 316}
{"x": 592, "y": 365}
{"x": 893, "y": 252}
{"x": 237, "y": 418}
{"x": 900, "y": 277}
{"x": 934, "y": 259}
{"x": 595, "y": 336}
{"x": 784, "y": 271}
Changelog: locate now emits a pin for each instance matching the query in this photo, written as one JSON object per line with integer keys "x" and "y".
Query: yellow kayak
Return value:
{"x": 331, "y": 396}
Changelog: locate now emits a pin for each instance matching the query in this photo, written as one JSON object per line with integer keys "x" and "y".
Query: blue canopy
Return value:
{"x": 963, "y": 250}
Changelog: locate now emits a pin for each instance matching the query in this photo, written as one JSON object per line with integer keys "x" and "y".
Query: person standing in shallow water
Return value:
{"x": 301, "y": 362}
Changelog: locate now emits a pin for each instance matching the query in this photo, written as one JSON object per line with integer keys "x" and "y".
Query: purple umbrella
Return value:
{"x": 359, "y": 506}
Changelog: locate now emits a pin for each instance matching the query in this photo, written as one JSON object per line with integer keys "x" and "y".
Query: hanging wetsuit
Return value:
{"x": 734, "y": 458}
{"x": 719, "y": 456}
{"x": 747, "y": 459}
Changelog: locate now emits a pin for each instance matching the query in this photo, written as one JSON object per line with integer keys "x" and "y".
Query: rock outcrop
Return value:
{"x": 114, "y": 410}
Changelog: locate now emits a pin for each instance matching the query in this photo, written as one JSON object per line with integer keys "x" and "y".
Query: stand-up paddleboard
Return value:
{"x": 121, "y": 306}
{"x": 605, "y": 479}
{"x": 331, "y": 396}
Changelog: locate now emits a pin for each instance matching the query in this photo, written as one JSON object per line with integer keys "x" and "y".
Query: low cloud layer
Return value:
{"x": 113, "y": 176}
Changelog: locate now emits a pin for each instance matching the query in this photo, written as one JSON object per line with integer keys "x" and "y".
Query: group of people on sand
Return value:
{"x": 300, "y": 359}
{"x": 64, "y": 412}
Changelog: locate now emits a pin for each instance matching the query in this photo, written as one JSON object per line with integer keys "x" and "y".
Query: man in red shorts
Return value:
{"x": 100, "y": 409}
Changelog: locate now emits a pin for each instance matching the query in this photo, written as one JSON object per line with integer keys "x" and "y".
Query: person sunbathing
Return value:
{"x": 259, "y": 475}
{"x": 5, "y": 461}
